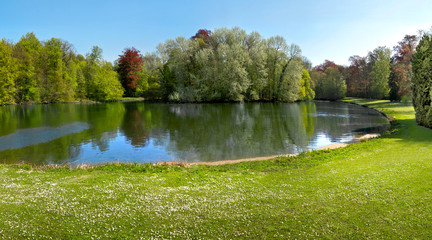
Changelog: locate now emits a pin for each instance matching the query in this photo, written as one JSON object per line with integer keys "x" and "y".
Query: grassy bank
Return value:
{"x": 381, "y": 188}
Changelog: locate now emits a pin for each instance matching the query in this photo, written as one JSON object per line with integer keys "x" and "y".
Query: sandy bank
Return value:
{"x": 332, "y": 146}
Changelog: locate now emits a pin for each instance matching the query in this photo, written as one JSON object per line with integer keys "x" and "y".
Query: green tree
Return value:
{"x": 229, "y": 65}
{"x": 330, "y": 85}
{"x": 53, "y": 84}
{"x": 179, "y": 55}
{"x": 7, "y": 74}
{"x": 71, "y": 71}
{"x": 256, "y": 66}
{"x": 158, "y": 78}
{"x": 284, "y": 66}
{"x": 27, "y": 52}
{"x": 422, "y": 81}
{"x": 81, "y": 81}
{"x": 232, "y": 58}
{"x": 380, "y": 73}
{"x": 306, "y": 91}
{"x": 102, "y": 80}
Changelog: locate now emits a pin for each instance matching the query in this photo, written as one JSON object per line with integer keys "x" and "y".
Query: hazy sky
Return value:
{"x": 331, "y": 29}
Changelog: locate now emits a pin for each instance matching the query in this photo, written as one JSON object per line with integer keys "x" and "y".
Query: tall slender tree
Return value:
{"x": 7, "y": 73}
{"x": 380, "y": 72}
{"x": 53, "y": 84}
{"x": 27, "y": 52}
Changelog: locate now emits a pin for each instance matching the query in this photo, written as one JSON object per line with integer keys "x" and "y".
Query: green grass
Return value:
{"x": 378, "y": 189}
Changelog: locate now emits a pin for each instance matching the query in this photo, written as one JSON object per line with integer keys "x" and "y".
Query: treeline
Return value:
{"x": 224, "y": 65}
{"x": 379, "y": 75}
{"x": 231, "y": 65}
{"x": 50, "y": 71}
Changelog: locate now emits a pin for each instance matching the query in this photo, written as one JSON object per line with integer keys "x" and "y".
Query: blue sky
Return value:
{"x": 332, "y": 29}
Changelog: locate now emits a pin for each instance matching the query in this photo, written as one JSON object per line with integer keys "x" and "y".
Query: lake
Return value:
{"x": 145, "y": 132}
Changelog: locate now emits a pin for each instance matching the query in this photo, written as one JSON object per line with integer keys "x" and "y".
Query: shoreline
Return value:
{"x": 233, "y": 161}
{"x": 83, "y": 101}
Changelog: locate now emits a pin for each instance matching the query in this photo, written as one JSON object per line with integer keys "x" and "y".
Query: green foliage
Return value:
{"x": 226, "y": 65}
{"x": 232, "y": 77}
{"x": 102, "y": 80}
{"x": 380, "y": 73}
{"x": 422, "y": 81}
{"x": 27, "y": 52}
{"x": 231, "y": 66}
{"x": 330, "y": 84}
{"x": 71, "y": 71}
{"x": 306, "y": 91}
{"x": 7, "y": 73}
{"x": 33, "y": 72}
{"x": 53, "y": 84}
{"x": 104, "y": 84}
{"x": 81, "y": 80}
{"x": 370, "y": 76}
{"x": 284, "y": 67}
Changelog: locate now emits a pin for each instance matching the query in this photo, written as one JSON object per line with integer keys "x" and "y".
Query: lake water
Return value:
{"x": 152, "y": 132}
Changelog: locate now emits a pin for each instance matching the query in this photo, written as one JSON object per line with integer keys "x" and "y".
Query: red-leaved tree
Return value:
{"x": 357, "y": 80}
{"x": 327, "y": 64}
{"x": 203, "y": 36}
{"x": 401, "y": 70}
{"x": 130, "y": 64}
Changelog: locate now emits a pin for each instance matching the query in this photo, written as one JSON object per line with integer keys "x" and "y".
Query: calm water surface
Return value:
{"x": 152, "y": 132}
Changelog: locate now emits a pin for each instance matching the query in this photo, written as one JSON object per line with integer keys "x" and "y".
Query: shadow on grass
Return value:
{"x": 375, "y": 103}
{"x": 387, "y": 105}
{"x": 409, "y": 130}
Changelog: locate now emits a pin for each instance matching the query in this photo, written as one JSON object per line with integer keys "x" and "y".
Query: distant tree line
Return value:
{"x": 379, "y": 75}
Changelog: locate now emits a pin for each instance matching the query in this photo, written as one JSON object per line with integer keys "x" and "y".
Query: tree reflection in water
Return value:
{"x": 149, "y": 132}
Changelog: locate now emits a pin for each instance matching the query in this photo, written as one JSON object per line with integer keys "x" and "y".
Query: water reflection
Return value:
{"x": 25, "y": 137}
{"x": 150, "y": 132}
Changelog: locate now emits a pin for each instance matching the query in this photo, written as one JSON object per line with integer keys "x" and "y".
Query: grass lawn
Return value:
{"x": 381, "y": 188}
